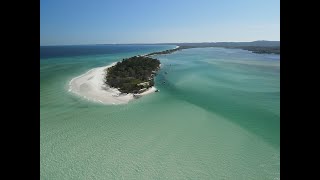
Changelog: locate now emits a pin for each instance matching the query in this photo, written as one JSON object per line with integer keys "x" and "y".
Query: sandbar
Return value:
{"x": 92, "y": 86}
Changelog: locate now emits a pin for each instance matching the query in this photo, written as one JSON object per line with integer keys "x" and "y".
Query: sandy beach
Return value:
{"x": 92, "y": 87}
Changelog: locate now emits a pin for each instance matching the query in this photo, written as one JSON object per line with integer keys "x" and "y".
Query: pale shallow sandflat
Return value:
{"x": 216, "y": 117}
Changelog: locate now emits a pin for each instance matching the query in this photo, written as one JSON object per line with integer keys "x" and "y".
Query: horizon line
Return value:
{"x": 169, "y": 43}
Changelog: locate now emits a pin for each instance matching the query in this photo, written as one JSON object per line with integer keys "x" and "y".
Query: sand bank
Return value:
{"x": 92, "y": 87}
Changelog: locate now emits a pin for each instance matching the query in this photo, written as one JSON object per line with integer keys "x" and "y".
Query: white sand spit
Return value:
{"x": 92, "y": 87}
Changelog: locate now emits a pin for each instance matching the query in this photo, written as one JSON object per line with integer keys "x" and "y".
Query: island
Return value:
{"x": 118, "y": 82}
{"x": 133, "y": 75}
{"x": 131, "y": 78}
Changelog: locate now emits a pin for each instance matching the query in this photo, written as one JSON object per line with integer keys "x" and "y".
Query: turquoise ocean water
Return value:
{"x": 217, "y": 116}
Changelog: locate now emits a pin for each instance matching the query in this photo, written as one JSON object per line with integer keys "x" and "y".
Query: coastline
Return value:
{"x": 91, "y": 86}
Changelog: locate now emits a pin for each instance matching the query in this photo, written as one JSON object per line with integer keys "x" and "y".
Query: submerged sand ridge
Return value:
{"x": 92, "y": 86}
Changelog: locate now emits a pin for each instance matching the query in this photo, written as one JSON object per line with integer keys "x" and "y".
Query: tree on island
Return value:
{"x": 133, "y": 75}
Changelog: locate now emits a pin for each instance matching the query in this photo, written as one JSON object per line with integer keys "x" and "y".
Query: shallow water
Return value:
{"x": 217, "y": 116}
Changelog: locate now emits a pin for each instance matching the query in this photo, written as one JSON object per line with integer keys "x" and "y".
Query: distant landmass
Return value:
{"x": 260, "y": 43}
{"x": 260, "y": 47}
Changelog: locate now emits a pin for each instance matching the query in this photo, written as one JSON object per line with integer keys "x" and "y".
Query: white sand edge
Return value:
{"x": 92, "y": 87}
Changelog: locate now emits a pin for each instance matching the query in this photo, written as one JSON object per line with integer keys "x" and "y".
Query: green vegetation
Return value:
{"x": 171, "y": 50}
{"x": 133, "y": 75}
{"x": 164, "y": 52}
{"x": 266, "y": 47}
{"x": 254, "y": 49}
{"x": 262, "y": 50}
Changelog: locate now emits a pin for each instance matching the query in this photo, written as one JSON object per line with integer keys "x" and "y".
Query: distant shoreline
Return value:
{"x": 91, "y": 85}
{"x": 253, "y": 49}
{"x": 259, "y": 47}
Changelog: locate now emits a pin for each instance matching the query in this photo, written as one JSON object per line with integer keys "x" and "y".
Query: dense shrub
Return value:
{"x": 127, "y": 74}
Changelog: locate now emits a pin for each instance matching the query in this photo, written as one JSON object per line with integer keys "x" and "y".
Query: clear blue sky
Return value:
{"x": 155, "y": 21}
